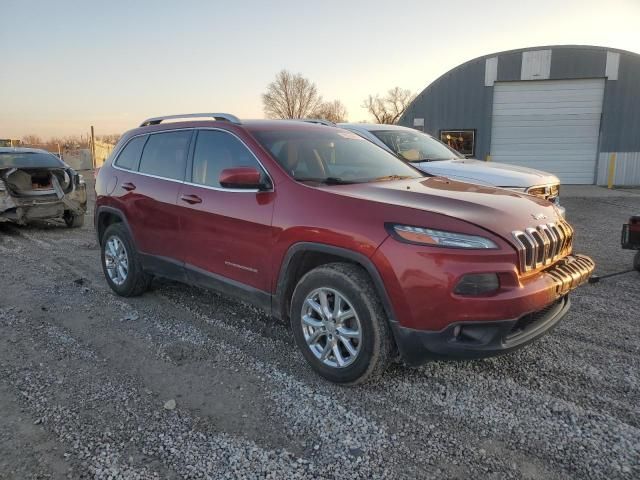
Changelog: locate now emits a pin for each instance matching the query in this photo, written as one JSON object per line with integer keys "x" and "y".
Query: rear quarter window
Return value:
{"x": 130, "y": 155}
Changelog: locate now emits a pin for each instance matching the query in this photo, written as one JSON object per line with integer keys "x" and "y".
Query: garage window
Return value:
{"x": 462, "y": 141}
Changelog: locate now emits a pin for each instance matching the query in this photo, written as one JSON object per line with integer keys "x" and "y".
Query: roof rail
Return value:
{"x": 216, "y": 116}
{"x": 319, "y": 121}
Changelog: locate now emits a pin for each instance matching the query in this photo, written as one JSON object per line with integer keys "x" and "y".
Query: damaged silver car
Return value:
{"x": 37, "y": 185}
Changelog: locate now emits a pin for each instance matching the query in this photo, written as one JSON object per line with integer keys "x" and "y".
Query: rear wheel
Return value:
{"x": 72, "y": 220}
{"x": 340, "y": 325}
{"x": 121, "y": 264}
{"x": 636, "y": 261}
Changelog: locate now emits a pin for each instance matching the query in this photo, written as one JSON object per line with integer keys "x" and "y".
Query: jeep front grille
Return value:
{"x": 543, "y": 245}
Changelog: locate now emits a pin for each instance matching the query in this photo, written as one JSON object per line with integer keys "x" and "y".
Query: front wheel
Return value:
{"x": 340, "y": 325}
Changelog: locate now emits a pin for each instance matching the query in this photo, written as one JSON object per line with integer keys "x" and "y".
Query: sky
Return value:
{"x": 66, "y": 65}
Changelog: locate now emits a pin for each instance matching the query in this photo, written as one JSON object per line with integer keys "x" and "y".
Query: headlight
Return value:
{"x": 440, "y": 238}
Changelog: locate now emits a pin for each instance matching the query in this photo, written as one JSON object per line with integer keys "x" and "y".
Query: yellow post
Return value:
{"x": 612, "y": 170}
{"x": 488, "y": 158}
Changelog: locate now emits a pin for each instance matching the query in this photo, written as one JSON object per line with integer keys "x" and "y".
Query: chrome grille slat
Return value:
{"x": 570, "y": 272}
{"x": 553, "y": 240}
{"x": 543, "y": 245}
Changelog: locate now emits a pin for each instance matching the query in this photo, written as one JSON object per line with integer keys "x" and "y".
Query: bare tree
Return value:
{"x": 389, "y": 109}
{"x": 334, "y": 111}
{"x": 31, "y": 139}
{"x": 291, "y": 96}
{"x": 111, "y": 138}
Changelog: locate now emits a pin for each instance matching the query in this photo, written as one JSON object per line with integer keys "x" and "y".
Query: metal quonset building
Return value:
{"x": 570, "y": 110}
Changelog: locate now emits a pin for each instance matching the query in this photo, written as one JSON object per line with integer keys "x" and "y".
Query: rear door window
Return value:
{"x": 130, "y": 155}
{"x": 215, "y": 151}
{"x": 165, "y": 154}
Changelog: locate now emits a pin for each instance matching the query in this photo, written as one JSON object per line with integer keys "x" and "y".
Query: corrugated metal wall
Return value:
{"x": 620, "y": 130}
{"x": 460, "y": 100}
{"x": 627, "y": 169}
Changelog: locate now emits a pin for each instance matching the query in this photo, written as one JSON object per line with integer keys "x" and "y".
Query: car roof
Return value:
{"x": 249, "y": 125}
{"x": 10, "y": 157}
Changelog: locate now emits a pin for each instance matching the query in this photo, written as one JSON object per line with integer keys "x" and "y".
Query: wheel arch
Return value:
{"x": 106, "y": 216}
{"x": 303, "y": 257}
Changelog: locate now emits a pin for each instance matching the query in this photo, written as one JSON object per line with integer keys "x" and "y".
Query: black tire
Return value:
{"x": 137, "y": 280}
{"x": 636, "y": 261}
{"x": 354, "y": 284}
{"x": 72, "y": 220}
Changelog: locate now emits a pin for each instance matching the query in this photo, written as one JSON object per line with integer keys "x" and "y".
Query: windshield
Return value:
{"x": 332, "y": 156}
{"x": 415, "y": 146}
{"x": 29, "y": 160}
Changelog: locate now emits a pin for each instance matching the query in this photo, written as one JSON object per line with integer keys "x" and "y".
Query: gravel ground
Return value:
{"x": 184, "y": 383}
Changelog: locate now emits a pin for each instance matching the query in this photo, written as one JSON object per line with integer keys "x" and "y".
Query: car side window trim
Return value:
{"x": 189, "y": 166}
{"x": 137, "y": 169}
{"x": 189, "y": 176}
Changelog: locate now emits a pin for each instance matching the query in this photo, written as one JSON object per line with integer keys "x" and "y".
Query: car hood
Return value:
{"x": 487, "y": 173}
{"x": 498, "y": 210}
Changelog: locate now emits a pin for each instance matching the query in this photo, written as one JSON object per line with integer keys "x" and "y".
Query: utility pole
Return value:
{"x": 93, "y": 148}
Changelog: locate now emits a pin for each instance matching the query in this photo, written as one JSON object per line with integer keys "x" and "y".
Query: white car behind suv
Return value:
{"x": 435, "y": 158}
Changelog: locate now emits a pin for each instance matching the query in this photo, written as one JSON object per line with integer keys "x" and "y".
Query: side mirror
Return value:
{"x": 241, "y": 177}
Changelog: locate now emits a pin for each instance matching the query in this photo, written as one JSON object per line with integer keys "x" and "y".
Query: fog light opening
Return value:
{"x": 477, "y": 284}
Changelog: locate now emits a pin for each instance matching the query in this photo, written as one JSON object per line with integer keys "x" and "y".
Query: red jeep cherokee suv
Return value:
{"x": 369, "y": 259}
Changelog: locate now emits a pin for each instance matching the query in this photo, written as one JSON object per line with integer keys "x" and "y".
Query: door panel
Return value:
{"x": 150, "y": 194}
{"x": 153, "y": 214}
{"x": 228, "y": 234}
{"x": 225, "y": 232}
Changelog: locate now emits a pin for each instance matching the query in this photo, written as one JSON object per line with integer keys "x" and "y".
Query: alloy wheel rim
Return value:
{"x": 331, "y": 328}
{"x": 116, "y": 260}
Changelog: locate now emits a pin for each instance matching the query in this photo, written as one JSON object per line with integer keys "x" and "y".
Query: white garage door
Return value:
{"x": 551, "y": 125}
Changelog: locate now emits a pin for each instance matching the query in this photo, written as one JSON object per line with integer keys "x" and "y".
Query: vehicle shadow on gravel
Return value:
{"x": 8, "y": 228}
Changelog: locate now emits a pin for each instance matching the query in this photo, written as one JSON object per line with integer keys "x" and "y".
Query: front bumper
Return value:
{"x": 430, "y": 320}
{"x": 472, "y": 340}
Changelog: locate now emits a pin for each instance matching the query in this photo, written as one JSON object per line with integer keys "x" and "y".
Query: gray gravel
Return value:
{"x": 184, "y": 383}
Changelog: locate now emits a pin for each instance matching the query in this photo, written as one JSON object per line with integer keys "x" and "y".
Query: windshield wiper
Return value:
{"x": 392, "y": 177}
{"x": 326, "y": 180}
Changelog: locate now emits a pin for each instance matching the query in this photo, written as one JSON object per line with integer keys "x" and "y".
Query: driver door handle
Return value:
{"x": 128, "y": 186}
{"x": 191, "y": 199}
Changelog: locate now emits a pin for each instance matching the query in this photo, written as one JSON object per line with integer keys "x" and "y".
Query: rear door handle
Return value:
{"x": 128, "y": 186}
{"x": 191, "y": 199}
